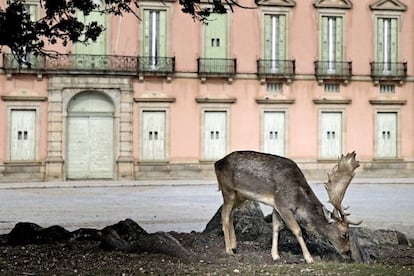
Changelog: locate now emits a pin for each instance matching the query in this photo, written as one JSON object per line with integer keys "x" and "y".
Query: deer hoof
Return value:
{"x": 276, "y": 258}
{"x": 230, "y": 251}
{"x": 309, "y": 260}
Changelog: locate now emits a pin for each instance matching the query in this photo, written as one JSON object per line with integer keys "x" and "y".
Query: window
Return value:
{"x": 97, "y": 47}
{"x": 154, "y": 43}
{"x": 274, "y": 128}
{"x": 387, "y": 88}
{"x": 331, "y": 87}
{"x": 330, "y": 134}
{"x": 215, "y": 134}
{"x": 22, "y": 135}
{"x": 386, "y": 134}
{"x": 386, "y": 43}
{"x": 215, "y": 36}
{"x": 28, "y": 60}
{"x": 274, "y": 87}
{"x": 274, "y": 41}
{"x": 331, "y": 44}
{"x": 153, "y": 135}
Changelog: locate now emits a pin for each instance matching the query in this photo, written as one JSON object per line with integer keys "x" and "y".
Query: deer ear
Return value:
{"x": 328, "y": 215}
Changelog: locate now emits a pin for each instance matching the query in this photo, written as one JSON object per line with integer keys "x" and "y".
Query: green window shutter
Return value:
{"x": 325, "y": 39}
{"x": 162, "y": 34}
{"x": 97, "y": 47}
{"x": 267, "y": 37}
{"x": 146, "y": 40}
{"x": 394, "y": 43}
{"x": 216, "y": 36}
{"x": 380, "y": 40}
{"x": 32, "y": 9}
{"x": 282, "y": 37}
{"x": 339, "y": 39}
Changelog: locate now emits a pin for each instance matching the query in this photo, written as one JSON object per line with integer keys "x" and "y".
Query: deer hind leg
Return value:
{"x": 293, "y": 225}
{"x": 227, "y": 222}
{"x": 277, "y": 225}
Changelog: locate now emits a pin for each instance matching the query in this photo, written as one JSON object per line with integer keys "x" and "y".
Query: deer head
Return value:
{"x": 338, "y": 181}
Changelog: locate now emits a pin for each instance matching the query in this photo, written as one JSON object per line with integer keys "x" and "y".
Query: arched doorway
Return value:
{"x": 90, "y": 137}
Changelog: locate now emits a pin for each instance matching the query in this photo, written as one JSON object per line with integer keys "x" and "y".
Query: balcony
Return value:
{"x": 216, "y": 67}
{"x": 388, "y": 71}
{"x": 334, "y": 71}
{"x": 91, "y": 64}
{"x": 159, "y": 66}
{"x": 276, "y": 69}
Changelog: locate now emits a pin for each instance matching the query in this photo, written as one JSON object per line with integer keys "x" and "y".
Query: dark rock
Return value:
{"x": 31, "y": 233}
{"x": 128, "y": 236}
{"x": 82, "y": 234}
{"x": 249, "y": 223}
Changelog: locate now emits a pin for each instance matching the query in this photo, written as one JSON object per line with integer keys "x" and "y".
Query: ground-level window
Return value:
{"x": 22, "y": 135}
{"x": 386, "y": 134}
{"x": 214, "y": 134}
{"x": 330, "y": 134}
{"x": 274, "y": 132}
{"x": 153, "y": 135}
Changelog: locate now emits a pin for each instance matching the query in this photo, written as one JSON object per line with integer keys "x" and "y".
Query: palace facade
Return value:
{"x": 166, "y": 96}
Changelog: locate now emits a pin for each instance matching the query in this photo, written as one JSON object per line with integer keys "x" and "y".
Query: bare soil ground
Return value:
{"x": 252, "y": 258}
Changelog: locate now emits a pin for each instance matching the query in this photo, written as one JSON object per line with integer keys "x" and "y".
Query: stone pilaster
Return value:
{"x": 54, "y": 162}
{"x": 125, "y": 160}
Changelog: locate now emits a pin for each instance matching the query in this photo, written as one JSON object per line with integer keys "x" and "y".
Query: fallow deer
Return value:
{"x": 278, "y": 182}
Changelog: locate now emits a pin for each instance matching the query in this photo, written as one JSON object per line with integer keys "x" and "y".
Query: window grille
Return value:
{"x": 331, "y": 87}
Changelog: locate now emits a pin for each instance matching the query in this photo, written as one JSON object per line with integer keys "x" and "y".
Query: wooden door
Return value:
{"x": 90, "y": 147}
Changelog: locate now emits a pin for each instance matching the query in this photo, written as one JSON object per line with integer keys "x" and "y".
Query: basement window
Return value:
{"x": 331, "y": 87}
{"x": 387, "y": 88}
{"x": 274, "y": 87}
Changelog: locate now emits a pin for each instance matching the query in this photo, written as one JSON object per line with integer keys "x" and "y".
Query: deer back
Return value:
{"x": 260, "y": 176}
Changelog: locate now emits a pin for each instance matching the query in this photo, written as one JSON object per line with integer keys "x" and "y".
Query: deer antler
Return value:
{"x": 338, "y": 181}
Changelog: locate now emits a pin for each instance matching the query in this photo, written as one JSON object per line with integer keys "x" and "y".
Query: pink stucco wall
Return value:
{"x": 185, "y": 38}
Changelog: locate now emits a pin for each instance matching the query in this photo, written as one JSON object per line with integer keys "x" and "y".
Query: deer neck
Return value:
{"x": 314, "y": 215}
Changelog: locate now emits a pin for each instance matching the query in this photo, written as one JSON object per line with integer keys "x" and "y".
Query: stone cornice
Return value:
{"x": 207, "y": 100}
{"x": 24, "y": 98}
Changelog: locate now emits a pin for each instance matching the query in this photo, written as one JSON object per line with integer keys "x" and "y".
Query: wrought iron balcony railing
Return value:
{"x": 92, "y": 64}
{"x": 333, "y": 70}
{"x": 220, "y": 67}
{"x": 276, "y": 69}
{"x": 388, "y": 71}
{"x": 156, "y": 65}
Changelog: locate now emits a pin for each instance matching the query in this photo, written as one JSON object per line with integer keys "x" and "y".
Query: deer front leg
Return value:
{"x": 293, "y": 225}
{"x": 228, "y": 228}
{"x": 277, "y": 224}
